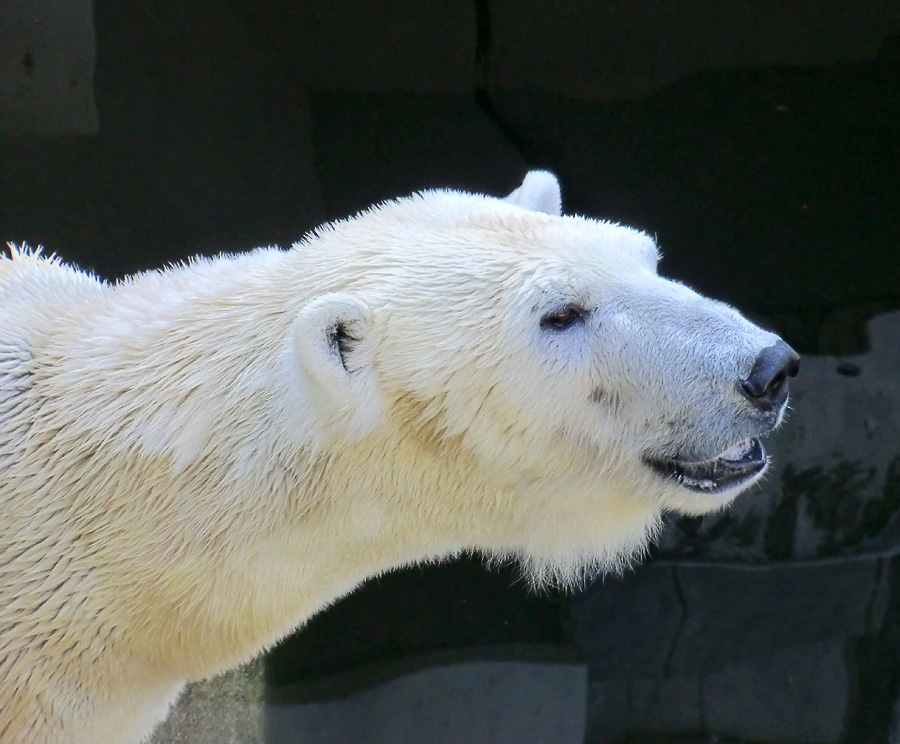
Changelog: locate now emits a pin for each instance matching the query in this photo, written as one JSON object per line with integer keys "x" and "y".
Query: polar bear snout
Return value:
{"x": 766, "y": 387}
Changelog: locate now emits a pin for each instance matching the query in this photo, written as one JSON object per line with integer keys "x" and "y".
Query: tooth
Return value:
{"x": 738, "y": 451}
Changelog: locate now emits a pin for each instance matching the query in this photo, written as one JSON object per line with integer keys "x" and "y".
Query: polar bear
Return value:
{"x": 195, "y": 461}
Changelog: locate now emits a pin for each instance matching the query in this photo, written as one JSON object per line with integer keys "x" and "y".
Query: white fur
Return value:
{"x": 192, "y": 466}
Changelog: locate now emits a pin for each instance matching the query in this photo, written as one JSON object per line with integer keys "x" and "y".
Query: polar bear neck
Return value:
{"x": 286, "y": 557}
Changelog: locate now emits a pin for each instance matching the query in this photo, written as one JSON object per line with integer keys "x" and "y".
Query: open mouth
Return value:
{"x": 728, "y": 470}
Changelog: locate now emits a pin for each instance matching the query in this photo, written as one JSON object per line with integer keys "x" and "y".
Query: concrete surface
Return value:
{"x": 224, "y": 710}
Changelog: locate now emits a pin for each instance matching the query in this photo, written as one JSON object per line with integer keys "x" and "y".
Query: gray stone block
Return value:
{"x": 615, "y": 50}
{"x": 47, "y": 53}
{"x": 688, "y": 620}
{"x": 502, "y": 702}
{"x": 393, "y": 45}
{"x": 801, "y": 696}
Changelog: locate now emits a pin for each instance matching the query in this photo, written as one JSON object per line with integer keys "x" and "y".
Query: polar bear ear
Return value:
{"x": 539, "y": 192}
{"x": 333, "y": 349}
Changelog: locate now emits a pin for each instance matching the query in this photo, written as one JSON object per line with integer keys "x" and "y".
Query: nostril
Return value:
{"x": 752, "y": 388}
{"x": 767, "y": 384}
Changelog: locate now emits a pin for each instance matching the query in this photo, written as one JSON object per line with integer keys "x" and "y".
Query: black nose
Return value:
{"x": 767, "y": 385}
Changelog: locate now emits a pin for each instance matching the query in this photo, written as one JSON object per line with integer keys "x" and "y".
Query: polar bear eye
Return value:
{"x": 562, "y": 318}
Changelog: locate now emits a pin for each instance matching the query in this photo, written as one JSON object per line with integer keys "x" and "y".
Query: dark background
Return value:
{"x": 760, "y": 143}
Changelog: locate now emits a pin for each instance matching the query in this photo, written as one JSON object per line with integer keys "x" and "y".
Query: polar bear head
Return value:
{"x": 566, "y": 393}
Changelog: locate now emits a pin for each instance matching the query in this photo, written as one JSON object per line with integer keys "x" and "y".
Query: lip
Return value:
{"x": 731, "y": 469}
